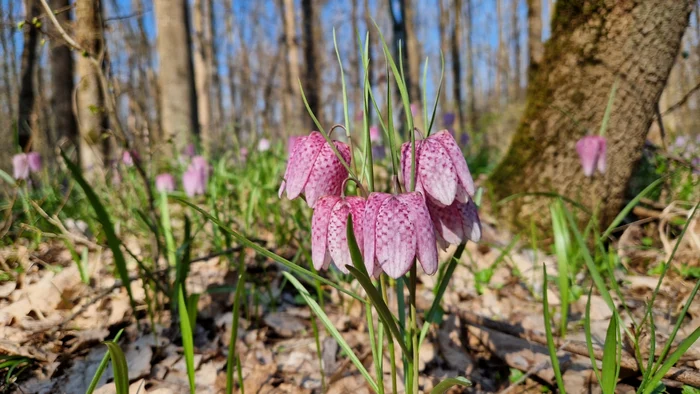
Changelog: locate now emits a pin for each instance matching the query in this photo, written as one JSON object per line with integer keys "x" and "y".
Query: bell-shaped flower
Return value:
{"x": 263, "y": 145}
{"x": 20, "y": 166}
{"x": 34, "y": 161}
{"x": 127, "y": 158}
{"x": 314, "y": 169}
{"x": 397, "y": 229}
{"x": 456, "y": 223}
{"x": 441, "y": 171}
{"x": 291, "y": 143}
{"x": 329, "y": 230}
{"x": 165, "y": 183}
{"x": 193, "y": 182}
{"x": 591, "y": 149}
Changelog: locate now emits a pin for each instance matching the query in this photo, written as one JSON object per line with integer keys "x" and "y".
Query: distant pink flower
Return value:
{"x": 414, "y": 109}
{"x": 165, "y": 183}
{"x": 441, "y": 171}
{"x": 313, "y": 169}
{"x": 374, "y": 134}
{"x": 189, "y": 150}
{"x": 591, "y": 149}
{"x": 456, "y": 223}
{"x": 200, "y": 163}
{"x": 34, "y": 161}
{"x": 127, "y": 158}
{"x": 396, "y": 229}
{"x": 263, "y": 145}
{"x": 359, "y": 115}
{"x": 243, "y": 153}
{"x": 195, "y": 179}
{"x": 329, "y": 230}
{"x": 291, "y": 142}
{"x": 20, "y": 166}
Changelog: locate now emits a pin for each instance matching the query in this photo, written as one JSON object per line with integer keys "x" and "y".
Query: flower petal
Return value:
{"x": 471, "y": 225}
{"x": 301, "y": 162}
{"x": 460, "y": 164}
{"x": 328, "y": 173}
{"x": 602, "y": 151}
{"x": 447, "y": 222}
{"x": 436, "y": 172}
{"x": 369, "y": 226}
{"x": 319, "y": 230}
{"x": 406, "y": 166}
{"x": 587, "y": 148}
{"x": 395, "y": 237}
{"x": 337, "y": 230}
{"x": 424, "y": 232}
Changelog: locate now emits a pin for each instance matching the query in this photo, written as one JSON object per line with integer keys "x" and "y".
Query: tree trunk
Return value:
{"x": 214, "y": 78}
{"x": 471, "y": 76}
{"x": 90, "y": 101}
{"x": 412, "y": 51}
{"x": 201, "y": 71}
{"x": 534, "y": 34}
{"x": 176, "y": 77}
{"x": 356, "y": 64}
{"x": 369, "y": 24}
{"x": 592, "y": 45}
{"x": 456, "y": 41}
{"x": 312, "y": 77}
{"x": 231, "y": 68}
{"x": 62, "y": 72}
{"x": 26, "y": 105}
{"x": 291, "y": 109}
{"x": 501, "y": 59}
{"x": 445, "y": 44}
{"x": 515, "y": 38}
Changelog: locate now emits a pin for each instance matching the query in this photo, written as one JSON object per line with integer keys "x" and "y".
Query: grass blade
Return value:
{"x": 561, "y": 248}
{"x": 316, "y": 309}
{"x": 231, "y": 357}
{"x": 550, "y": 338}
{"x": 121, "y": 371}
{"x": 589, "y": 337}
{"x": 446, "y": 384}
{"x": 610, "y": 368}
{"x": 187, "y": 339}
{"x": 103, "y": 365}
{"x": 103, "y": 217}
{"x": 672, "y": 360}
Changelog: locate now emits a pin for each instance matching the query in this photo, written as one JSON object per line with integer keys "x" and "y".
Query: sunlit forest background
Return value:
{"x": 146, "y": 239}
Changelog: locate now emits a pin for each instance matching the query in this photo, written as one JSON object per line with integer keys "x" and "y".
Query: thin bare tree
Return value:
{"x": 535, "y": 47}
{"x": 62, "y": 77}
{"x": 26, "y": 117}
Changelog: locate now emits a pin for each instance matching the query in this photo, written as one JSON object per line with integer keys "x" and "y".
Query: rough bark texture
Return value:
{"x": 515, "y": 39}
{"x": 178, "y": 101}
{"x": 535, "y": 47}
{"x": 90, "y": 100}
{"x": 292, "y": 96}
{"x": 456, "y": 41}
{"x": 312, "y": 76}
{"x": 202, "y": 45}
{"x": 412, "y": 51}
{"x": 62, "y": 71}
{"x": 593, "y": 43}
{"x": 26, "y": 104}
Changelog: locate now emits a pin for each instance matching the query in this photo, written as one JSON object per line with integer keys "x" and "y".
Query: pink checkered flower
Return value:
{"x": 456, "y": 223}
{"x": 291, "y": 143}
{"x": 397, "y": 229}
{"x": 314, "y": 169}
{"x": 165, "y": 183}
{"x": 20, "y": 166}
{"x": 442, "y": 174}
{"x": 329, "y": 230}
{"x": 34, "y": 161}
{"x": 591, "y": 149}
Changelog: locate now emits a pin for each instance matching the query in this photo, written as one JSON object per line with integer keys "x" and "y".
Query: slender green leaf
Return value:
{"x": 103, "y": 366}
{"x": 331, "y": 329}
{"x": 231, "y": 357}
{"x": 121, "y": 371}
{"x": 610, "y": 368}
{"x": 630, "y": 205}
{"x": 672, "y": 360}
{"x": 550, "y": 338}
{"x": 259, "y": 249}
{"x": 187, "y": 338}
{"x": 103, "y": 217}
{"x": 437, "y": 95}
{"x": 589, "y": 337}
{"x": 561, "y": 248}
{"x": 448, "y": 383}
{"x": 608, "y": 108}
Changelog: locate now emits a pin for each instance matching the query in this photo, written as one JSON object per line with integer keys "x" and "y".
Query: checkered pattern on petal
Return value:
{"x": 319, "y": 230}
{"x": 406, "y": 166}
{"x": 327, "y": 174}
{"x": 456, "y": 223}
{"x": 424, "y": 232}
{"x": 301, "y": 162}
{"x": 395, "y": 238}
{"x": 369, "y": 227}
{"x": 460, "y": 164}
{"x": 436, "y": 172}
{"x": 337, "y": 230}
{"x": 471, "y": 224}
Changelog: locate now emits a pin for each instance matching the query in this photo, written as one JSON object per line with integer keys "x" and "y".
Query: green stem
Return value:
{"x": 414, "y": 327}
{"x": 390, "y": 339}
{"x": 167, "y": 229}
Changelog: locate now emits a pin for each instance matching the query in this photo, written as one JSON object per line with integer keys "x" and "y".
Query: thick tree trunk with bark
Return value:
{"x": 292, "y": 96}
{"x": 178, "y": 100}
{"x": 26, "y": 116}
{"x": 62, "y": 71}
{"x": 412, "y": 52}
{"x": 515, "y": 39}
{"x": 90, "y": 100}
{"x": 535, "y": 47}
{"x": 312, "y": 76}
{"x": 456, "y": 44}
{"x": 593, "y": 44}
{"x": 202, "y": 45}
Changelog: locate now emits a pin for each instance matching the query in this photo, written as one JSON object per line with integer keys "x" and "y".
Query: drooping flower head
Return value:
{"x": 195, "y": 179}
{"x": 20, "y": 166}
{"x": 263, "y": 145}
{"x": 314, "y": 169}
{"x": 34, "y": 161}
{"x": 456, "y": 223}
{"x": 200, "y": 164}
{"x": 591, "y": 149}
{"x": 374, "y": 133}
{"x": 396, "y": 229}
{"x": 127, "y": 158}
{"x": 441, "y": 171}
{"x": 165, "y": 183}
{"x": 329, "y": 230}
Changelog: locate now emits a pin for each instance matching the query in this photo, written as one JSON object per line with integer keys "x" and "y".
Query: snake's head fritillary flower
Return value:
{"x": 193, "y": 182}
{"x": 592, "y": 150}
{"x": 127, "y": 158}
{"x": 374, "y": 133}
{"x": 456, "y": 223}
{"x": 200, "y": 164}
{"x": 329, "y": 230}
{"x": 291, "y": 143}
{"x": 34, "y": 161}
{"x": 397, "y": 229}
{"x": 314, "y": 169}
{"x": 441, "y": 171}
{"x": 165, "y": 183}
{"x": 20, "y": 166}
{"x": 263, "y": 145}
